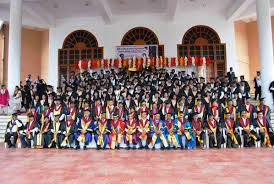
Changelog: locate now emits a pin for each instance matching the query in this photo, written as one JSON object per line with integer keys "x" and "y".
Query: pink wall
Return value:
{"x": 34, "y": 53}
{"x": 247, "y": 46}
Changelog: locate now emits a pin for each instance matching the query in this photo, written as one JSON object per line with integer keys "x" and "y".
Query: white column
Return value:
{"x": 14, "y": 57}
{"x": 266, "y": 47}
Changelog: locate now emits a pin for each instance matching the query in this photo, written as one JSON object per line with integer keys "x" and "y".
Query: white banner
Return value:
{"x": 139, "y": 51}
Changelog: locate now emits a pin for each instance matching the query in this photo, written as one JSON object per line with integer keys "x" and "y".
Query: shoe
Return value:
{"x": 162, "y": 148}
{"x": 153, "y": 148}
{"x": 146, "y": 147}
{"x": 134, "y": 148}
{"x": 175, "y": 148}
{"x": 85, "y": 148}
{"x": 77, "y": 147}
{"x": 128, "y": 148}
{"x": 118, "y": 146}
{"x": 98, "y": 147}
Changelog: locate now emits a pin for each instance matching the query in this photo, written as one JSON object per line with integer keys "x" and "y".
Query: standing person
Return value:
{"x": 230, "y": 74}
{"x": 257, "y": 85}
{"x": 271, "y": 89}
{"x": 4, "y": 100}
{"x": 17, "y": 100}
{"x": 13, "y": 128}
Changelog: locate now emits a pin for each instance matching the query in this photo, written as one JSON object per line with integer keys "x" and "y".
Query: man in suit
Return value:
{"x": 230, "y": 74}
{"x": 257, "y": 85}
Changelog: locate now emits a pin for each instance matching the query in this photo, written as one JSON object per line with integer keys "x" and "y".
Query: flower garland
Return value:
{"x": 139, "y": 63}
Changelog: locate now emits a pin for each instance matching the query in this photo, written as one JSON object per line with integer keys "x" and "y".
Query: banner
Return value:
{"x": 138, "y": 51}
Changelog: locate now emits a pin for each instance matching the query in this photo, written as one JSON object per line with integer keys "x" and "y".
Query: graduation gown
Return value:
{"x": 104, "y": 128}
{"x": 117, "y": 133}
{"x": 185, "y": 133}
{"x": 157, "y": 138}
{"x": 88, "y": 125}
{"x": 56, "y": 138}
{"x": 43, "y": 137}
{"x": 215, "y": 137}
{"x": 198, "y": 126}
{"x": 131, "y": 126}
{"x": 26, "y": 137}
{"x": 232, "y": 136}
{"x": 266, "y": 136}
{"x": 69, "y": 128}
{"x": 13, "y": 128}
{"x": 243, "y": 124}
{"x": 171, "y": 133}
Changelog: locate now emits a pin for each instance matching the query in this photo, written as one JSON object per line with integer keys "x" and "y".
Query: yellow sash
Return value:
{"x": 130, "y": 128}
{"x": 154, "y": 138}
{"x": 85, "y": 126}
{"x": 231, "y": 132}
{"x": 266, "y": 137}
{"x": 66, "y": 138}
{"x": 171, "y": 137}
{"x": 199, "y": 137}
{"x": 54, "y": 135}
{"x": 101, "y": 133}
{"x": 116, "y": 135}
{"x": 214, "y": 132}
{"x": 143, "y": 137}
{"x": 247, "y": 127}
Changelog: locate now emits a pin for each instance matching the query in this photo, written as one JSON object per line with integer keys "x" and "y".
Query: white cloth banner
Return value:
{"x": 138, "y": 51}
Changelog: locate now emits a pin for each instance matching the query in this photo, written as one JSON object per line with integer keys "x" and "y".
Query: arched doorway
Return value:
{"x": 204, "y": 41}
{"x": 78, "y": 45}
{"x": 142, "y": 36}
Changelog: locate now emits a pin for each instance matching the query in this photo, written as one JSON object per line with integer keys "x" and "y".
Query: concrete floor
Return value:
{"x": 226, "y": 166}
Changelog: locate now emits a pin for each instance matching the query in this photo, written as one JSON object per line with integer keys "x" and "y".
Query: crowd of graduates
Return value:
{"x": 141, "y": 110}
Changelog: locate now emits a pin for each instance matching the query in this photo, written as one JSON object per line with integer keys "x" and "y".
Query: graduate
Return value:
{"x": 181, "y": 107}
{"x": 231, "y": 109}
{"x": 85, "y": 130}
{"x": 12, "y": 130}
{"x": 56, "y": 128}
{"x": 229, "y": 127}
{"x": 43, "y": 136}
{"x": 266, "y": 110}
{"x": 102, "y": 129}
{"x": 154, "y": 110}
{"x": 158, "y": 129}
{"x": 117, "y": 132}
{"x": 143, "y": 132}
{"x": 29, "y": 131}
{"x": 197, "y": 130}
{"x": 110, "y": 109}
{"x": 216, "y": 110}
{"x": 246, "y": 126}
{"x": 265, "y": 132}
{"x": 97, "y": 110}
{"x": 130, "y": 130}
{"x": 58, "y": 109}
{"x": 72, "y": 111}
{"x": 167, "y": 108}
{"x": 121, "y": 111}
{"x": 249, "y": 108}
{"x": 46, "y": 111}
{"x": 200, "y": 110}
{"x": 214, "y": 132}
{"x": 68, "y": 132}
{"x": 184, "y": 130}
{"x": 171, "y": 132}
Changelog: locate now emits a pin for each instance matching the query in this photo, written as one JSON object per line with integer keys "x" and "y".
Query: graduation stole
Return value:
{"x": 68, "y": 125}
{"x": 72, "y": 113}
{"x": 144, "y": 126}
{"x": 152, "y": 112}
{"x": 264, "y": 128}
{"x": 131, "y": 126}
{"x": 55, "y": 128}
{"x": 231, "y": 110}
{"x": 171, "y": 137}
{"x": 120, "y": 114}
{"x": 230, "y": 129}
{"x": 11, "y": 126}
{"x": 215, "y": 111}
{"x": 168, "y": 111}
{"x": 154, "y": 138}
{"x": 248, "y": 110}
{"x": 181, "y": 126}
{"x": 246, "y": 126}
{"x": 98, "y": 113}
{"x": 29, "y": 128}
{"x": 128, "y": 104}
{"x": 116, "y": 127}
{"x": 101, "y": 126}
{"x": 201, "y": 110}
{"x": 197, "y": 128}
{"x": 57, "y": 111}
{"x": 213, "y": 128}
{"x": 265, "y": 110}
{"x": 179, "y": 109}
{"x": 45, "y": 127}
{"x": 109, "y": 111}
{"x": 84, "y": 124}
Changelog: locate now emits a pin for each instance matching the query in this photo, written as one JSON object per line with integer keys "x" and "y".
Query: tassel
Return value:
{"x": 239, "y": 116}
{"x": 82, "y": 104}
{"x": 207, "y": 117}
{"x": 226, "y": 103}
{"x": 107, "y": 103}
{"x": 69, "y": 105}
{"x": 139, "y": 105}
{"x": 245, "y": 100}
{"x": 258, "y": 103}
{"x": 178, "y": 106}
{"x": 150, "y": 106}
{"x": 117, "y": 105}
{"x": 195, "y": 101}
{"x": 11, "y": 117}
{"x": 209, "y": 104}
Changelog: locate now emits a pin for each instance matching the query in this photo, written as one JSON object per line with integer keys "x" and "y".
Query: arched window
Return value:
{"x": 205, "y": 41}
{"x": 77, "y": 45}
{"x": 142, "y": 36}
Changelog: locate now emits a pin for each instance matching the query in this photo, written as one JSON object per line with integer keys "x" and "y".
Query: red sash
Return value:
{"x": 98, "y": 113}
{"x": 143, "y": 124}
{"x": 231, "y": 124}
{"x": 45, "y": 126}
{"x": 194, "y": 125}
{"x": 110, "y": 112}
{"x": 179, "y": 109}
{"x": 120, "y": 113}
{"x": 30, "y": 128}
{"x": 249, "y": 109}
{"x": 169, "y": 125}
{"x": 211, "y": 124}
{"x": 201, "y": 109}
{"x": 168, "y": 111}
{"x": 243, "y": 124}
{"x": 264, "y": 122}
{"x": 152, "y": 111}
{"x": 69, "y": 123}
{"x": 44, "y": 113}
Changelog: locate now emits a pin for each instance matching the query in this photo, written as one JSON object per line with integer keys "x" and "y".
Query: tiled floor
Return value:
{"x": 226, "y": 166}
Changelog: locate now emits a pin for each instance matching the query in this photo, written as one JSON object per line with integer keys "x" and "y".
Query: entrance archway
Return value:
{"x": 204, "y": 41}
{"x": 78, "y": 45}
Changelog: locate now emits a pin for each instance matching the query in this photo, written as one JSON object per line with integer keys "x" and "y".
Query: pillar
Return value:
{"x": 14, "y": 55}
{"x": 265, "y": 47}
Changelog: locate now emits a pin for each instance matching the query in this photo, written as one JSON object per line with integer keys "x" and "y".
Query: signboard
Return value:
{"x": 139, "y": 51}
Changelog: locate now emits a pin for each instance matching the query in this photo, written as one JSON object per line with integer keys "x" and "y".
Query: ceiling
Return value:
{"x": 46, "y": 12}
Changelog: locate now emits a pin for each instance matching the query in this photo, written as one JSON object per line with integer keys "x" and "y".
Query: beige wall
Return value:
{"x": 34, "y": 53}
{"x": 247, "y": 44}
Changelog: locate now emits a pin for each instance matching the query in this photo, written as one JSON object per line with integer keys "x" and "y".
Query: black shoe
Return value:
{"x": 146, "y": 147}
{"x": 77, "y": 147}
{"x": 182, "y": 148}
{"x": 104, "y": 147}
{"x": 162, "y": 148}
{"x": 141, "y": 147}
{"x": 85, "y": 148}
{"x": 134, "y": 148}
{"x": 128, "y": 148}
{"x": 118, "y": 146}
{"x": 175, "y": 148}
{"x": 153, "y": 148}
{"x": 98, "y": 147}
{"x": 10, "y": 145}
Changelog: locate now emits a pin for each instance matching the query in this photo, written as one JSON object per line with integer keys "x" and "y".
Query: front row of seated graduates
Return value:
{"x": 62, "y": 129}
